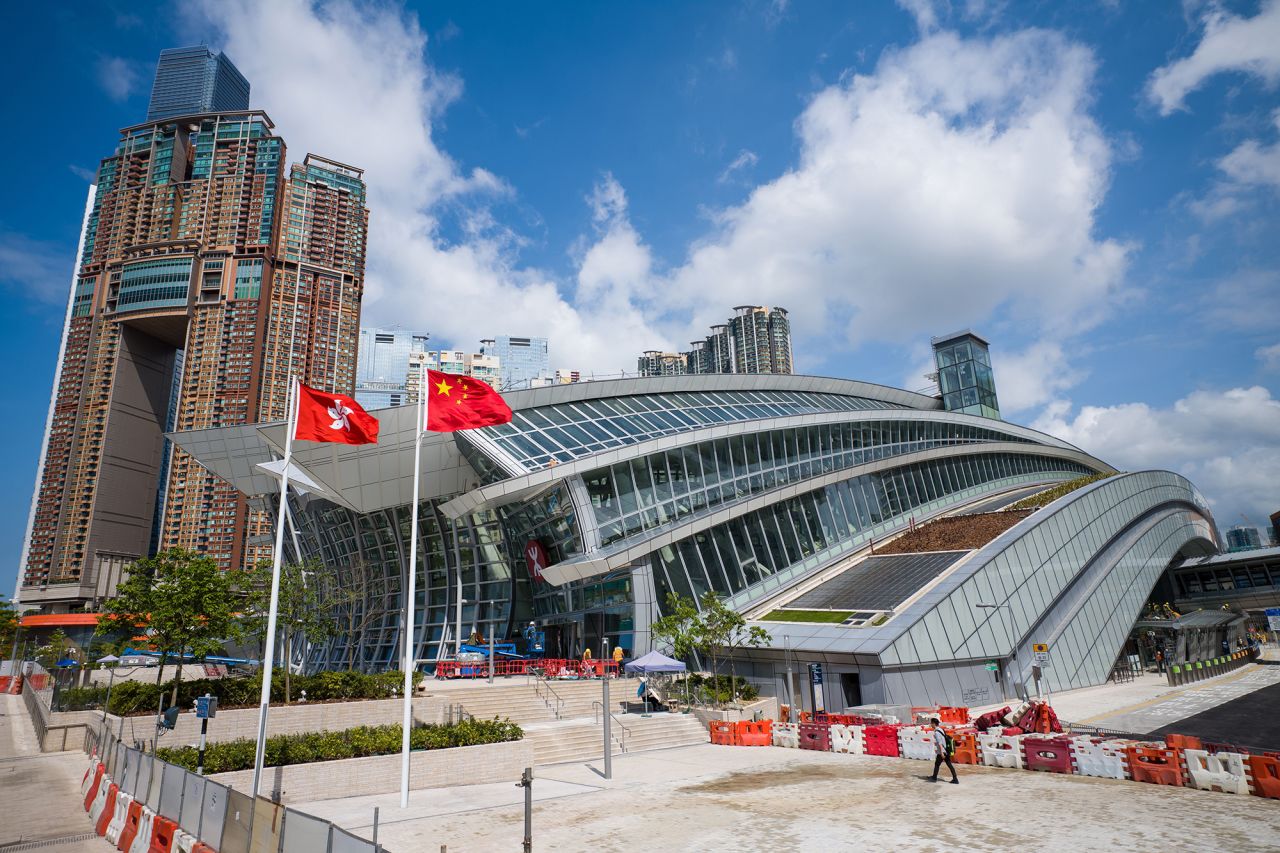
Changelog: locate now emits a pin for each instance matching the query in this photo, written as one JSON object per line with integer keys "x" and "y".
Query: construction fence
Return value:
{"x": 139, "y": 802}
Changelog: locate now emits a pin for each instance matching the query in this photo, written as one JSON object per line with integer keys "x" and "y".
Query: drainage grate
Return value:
{"x": 49, "y": 842}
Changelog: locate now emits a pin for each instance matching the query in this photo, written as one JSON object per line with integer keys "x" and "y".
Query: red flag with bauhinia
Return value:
{"x": 460, "y": 402}
{"x": 333, "y": 417}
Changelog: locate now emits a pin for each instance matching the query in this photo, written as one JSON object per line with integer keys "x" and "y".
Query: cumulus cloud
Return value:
{"x": 1230, "y": 43}
{"x": 1269, "y": 356}
{"x": 117, "y": 77}
{"x": 1226, "y": 442}
{"x": 35, "y": 269}
{"x": 1033, "y": 377}
{"x": 1253, "y": 163}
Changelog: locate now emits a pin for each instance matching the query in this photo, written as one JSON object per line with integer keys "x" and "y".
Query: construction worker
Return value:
{"x": 617, "y": 657}
{"x": 942, "y": 746}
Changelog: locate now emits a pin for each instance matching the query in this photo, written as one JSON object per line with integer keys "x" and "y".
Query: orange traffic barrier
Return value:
{"x": 201, "y": 847}
{"x": 1155, "y": 765}
{"x": 163, "y": 831}
{"x": 723, "y": 732}
{"x": 1182, "y": 742}
{"x": 108, "y": 810}
{"x": 93, "y": 787}
{"x": 965, "y": 742}
{"x": 953, "y": 714}
{"x": 755, "y": 733}
{"x": 1264, "y": 775}
{"x": 131, "y": 824}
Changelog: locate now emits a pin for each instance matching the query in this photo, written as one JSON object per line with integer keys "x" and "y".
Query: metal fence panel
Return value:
{"x": 192, "y": 802}
{"x": 268, "y": 823}
{"x": 171, "y": 785}
{"x": 156, "y": 784}
{"x": 304, "y": 833}
{"x": 126, "y": 767}
{"x": 111, "y": 758}
{"x": 344, "y": 842}
{"x": 142, "y": 787}
{"x": 237, "y": 826}
{"x": 213, "y": 808}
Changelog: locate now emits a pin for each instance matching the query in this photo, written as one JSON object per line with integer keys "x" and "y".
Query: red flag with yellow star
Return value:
{"x": 460, "y": 402}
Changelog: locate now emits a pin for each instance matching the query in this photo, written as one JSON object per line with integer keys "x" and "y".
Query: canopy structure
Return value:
{"x": 655, "y": 662}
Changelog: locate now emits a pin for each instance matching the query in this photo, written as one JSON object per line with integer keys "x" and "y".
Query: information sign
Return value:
{"x": 206, "y": 707}
{"x": 1040, "y": 651}
{"x": 1273, "y": 618}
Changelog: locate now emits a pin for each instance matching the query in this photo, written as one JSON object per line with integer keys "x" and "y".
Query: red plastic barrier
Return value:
{"x": 815, "y": 736}
{"x": 1155, "y": 765}
{"x": 1265, "y": 771}
{"x": 1052, "y": 755}
{"x": 752, "y": 733}
{"x": 840, "y": 719}
{"x": 131, "y": 823}
{"x": 93, "y": 787}
{"x": 163, "y": 831}
{"x": 201, "y": 847}
{"x": 1182, "y": 742}
{"x": 882, "y": 740}
{"x": 723, "y": 732}
{"x": 108, "y": 810}
{"x": 5, "y": 681}
{"x": 991, "y": 718}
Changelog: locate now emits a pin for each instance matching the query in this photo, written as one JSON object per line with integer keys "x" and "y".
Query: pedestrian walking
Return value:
{"x": 943, "y": 747}
{"x": 1160, "y": 661}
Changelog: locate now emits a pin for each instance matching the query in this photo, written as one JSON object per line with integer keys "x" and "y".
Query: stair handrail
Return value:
{"x": 597, "y": 707}
{"x": 540, "y": 683}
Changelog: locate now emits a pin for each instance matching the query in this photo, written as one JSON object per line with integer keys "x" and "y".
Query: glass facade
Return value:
{"x": 965, "y": 379}
{"x": 382, "y": 366}
{"x": 646, "y": 493}
{"x": 523, "y": 361}
{"x": 191, "y": 80}
{"x": 540, "y": 437}
{"x": 759, "y": 551}
{"x": 154, "y": 284}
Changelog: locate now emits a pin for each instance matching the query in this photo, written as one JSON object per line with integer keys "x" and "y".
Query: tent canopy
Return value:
{"x": 655, "y": 662}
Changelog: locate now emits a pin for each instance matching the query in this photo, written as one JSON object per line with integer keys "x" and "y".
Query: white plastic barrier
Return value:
{"x": 184, "y": 842}
{"x": 142, "y": 841}
{"x": 117, "y": 821}
{"x": 1011, "y": 718}
{"x": 1104, "y": 759}
{"x": 1223, "y": 770}
{"x": 786, "y": 734}
{"x": 848, "y": 739}
{"x": 100, "y": 801}
{"x": 1000, "y": 750}
{"x": 916, "y": 742}
{"x": 87, "y": 782}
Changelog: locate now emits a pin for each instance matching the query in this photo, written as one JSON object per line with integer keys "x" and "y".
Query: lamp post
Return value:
{"x": 1009, "y": 624}
{"x": 113, "y": 660}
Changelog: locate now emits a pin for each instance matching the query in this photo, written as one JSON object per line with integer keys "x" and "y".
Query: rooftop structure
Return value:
{"x": 965, "y": 380}
{"x": 195, "y": 80}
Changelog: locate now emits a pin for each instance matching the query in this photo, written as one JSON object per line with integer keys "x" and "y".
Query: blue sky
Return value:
{"x": 1093, "y": 186}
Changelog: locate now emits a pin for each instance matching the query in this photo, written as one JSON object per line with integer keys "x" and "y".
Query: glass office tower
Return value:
{"x": 194, "y": 80}
{"x": 524, "y": 361}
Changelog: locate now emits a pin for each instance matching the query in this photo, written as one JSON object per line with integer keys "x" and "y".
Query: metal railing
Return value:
{"x": 218, "y": 815}
{"x": 597, "y": 707}
{"x": 539, "y": 685}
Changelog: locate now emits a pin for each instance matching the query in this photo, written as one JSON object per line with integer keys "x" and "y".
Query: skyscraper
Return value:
{"x": 382, "y": 370}
{"x": 965, "y": 380}
{"x": 194, "y": 80}
{"x": 1243, "y": 538}
{"x": 207, "y": 277}
{"x": 525, "y": 362}
{"x": 757, "y": 339}
{"x": 657, "y": 363}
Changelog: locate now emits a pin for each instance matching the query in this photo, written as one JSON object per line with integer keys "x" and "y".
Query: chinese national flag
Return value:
{"x": 333, "y": 417}
{"x": 460, "y": 402}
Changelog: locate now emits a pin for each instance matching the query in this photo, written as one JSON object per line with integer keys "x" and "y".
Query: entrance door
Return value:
{"x": 851, "y": 685}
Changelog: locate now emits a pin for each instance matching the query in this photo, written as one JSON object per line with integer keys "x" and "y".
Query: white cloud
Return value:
{"x": 1253, "y": 163}
{"x": 35, "y": 269}
{"x": 81, "y": 172}
{"x": 1229, "y": 43}
{"x": 1269, "y": 356}
{"x": 745, "y": 160}
{"x": 117, "y": 77}
{"x": 1226, "y": 442}
{"x": 1032, "y": 377}
{"x": 926, "y": 13}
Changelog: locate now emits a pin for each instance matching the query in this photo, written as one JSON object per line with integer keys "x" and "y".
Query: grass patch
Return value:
{"x": 826, "y": 616}
{"x": 1049, "y": 496}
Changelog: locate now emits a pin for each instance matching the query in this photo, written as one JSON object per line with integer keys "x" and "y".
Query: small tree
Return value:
{"x": 348, "y": 603}
{"x": 184, "y": 601}
{"x": 299, "y": 608}
{"x": 725, "y": 629}
{"x": 680, "y": 628}
{"x": 8, "y": 626}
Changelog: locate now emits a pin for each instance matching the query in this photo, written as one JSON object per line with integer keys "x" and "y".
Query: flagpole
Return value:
{"x": 269, "y": 644}
{"x": 410, "y": 603}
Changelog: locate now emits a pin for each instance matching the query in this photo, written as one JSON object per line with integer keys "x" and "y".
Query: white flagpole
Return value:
{"x": 410, "y": 603}
{"x": 269, "y": 643}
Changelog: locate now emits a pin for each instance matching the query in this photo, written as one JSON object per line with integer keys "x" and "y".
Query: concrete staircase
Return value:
{"x": 582, "y": 739}
{"x": 522, "y": 703}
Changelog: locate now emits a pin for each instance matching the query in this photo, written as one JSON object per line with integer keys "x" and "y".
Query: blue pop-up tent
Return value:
{"x": 654, "y": 662}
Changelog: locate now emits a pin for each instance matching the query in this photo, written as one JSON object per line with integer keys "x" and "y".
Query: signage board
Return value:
{"x": 536, "y": 559}
{"x": 815, "y": 673}
{"x": 992, "y": 666}
{"x": 1273, "y": 618}
{"x": 1040, "y": 651}
{"x": 206, "y": 707}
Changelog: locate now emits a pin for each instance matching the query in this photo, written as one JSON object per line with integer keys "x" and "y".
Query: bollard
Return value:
{"x": 526, "y": 782}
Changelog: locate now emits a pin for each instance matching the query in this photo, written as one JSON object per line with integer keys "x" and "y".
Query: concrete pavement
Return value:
{"x": 40, "y": 792}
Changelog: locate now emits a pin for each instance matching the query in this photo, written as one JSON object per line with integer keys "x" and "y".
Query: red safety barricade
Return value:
{"x": 1052, "y": 755}
{"x": 1182, "y": 742}
{"x": 723, "y": 732}
{"x": 131, "y": 822}
{"x": 5, "y": 681}
{"x": 108, "y": 810}
{"x": 953, "y": 714}
{"x": 991, "y": 718}
{"x": 93, "y": 787}
{"x": 806, "y": 717}
{"x": 882, "y": 740}
{"x": 201, "y": 847}
{"x": 751, "y": 733}
{"x": 841, "y": 719}
{"x": 965, "y": 745}
{"x": 163, "y": 831}
{"x": 1264, "y": 775}
{"x": 1214, "y": 748}
{"x": 815, "y": 736}
{"x": 1156, "y": 765}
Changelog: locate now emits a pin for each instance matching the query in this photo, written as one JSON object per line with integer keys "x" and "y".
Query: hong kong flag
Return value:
{"x": 333, "y": 417}
{"x": 460, "y": 402}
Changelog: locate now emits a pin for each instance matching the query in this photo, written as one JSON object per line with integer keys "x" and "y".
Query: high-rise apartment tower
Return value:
{"x": 194, "y": 80}
{"x": 757, "y": 339}
{"x": 209, "y": 274}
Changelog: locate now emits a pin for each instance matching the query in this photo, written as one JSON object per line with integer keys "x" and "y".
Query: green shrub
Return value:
{"x": 1050, "y": 495}
{"x": 80, "y": 698}
{"x": 360, "y": 742}
{"x": 718, "y": 689}
{"x": 137, "y": 697}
